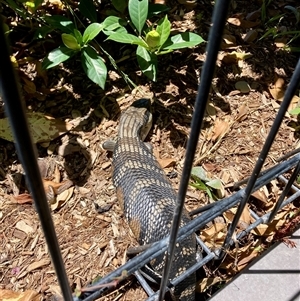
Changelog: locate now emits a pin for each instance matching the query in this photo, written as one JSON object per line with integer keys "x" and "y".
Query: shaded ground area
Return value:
{"x": 92, "y": 233}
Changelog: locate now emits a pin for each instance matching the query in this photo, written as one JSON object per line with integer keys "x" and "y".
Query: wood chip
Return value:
{"x": 23, "y": 226}
{"x": 38, "y": 264}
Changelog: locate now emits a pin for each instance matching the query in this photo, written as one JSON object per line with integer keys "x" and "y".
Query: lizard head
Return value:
{"x": 137, "y": 119}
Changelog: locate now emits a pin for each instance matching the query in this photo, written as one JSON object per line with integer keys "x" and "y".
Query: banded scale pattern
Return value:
{"x": 147, "y": 196}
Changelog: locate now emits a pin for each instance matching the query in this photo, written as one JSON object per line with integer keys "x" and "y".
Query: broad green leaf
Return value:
{"x": 93, "y": 66}
{"x": 127, "y": 39}
{"x": 42, "y": 128}
{"x": 87, "y": 8}
{"x": 295, "y": 111}
{"x": 163, "y": 28}
{"x": 57, "y": 56}
{"x": 182, "y": 40}
{"x": 155, "y": 9}
{"x": 78, "y": 36}
{"x": 120, "y": 5}
{"x": 91, "y": 32}
{"x": 114, "y": 24}
{"x": 200, "y": 173}
{"x": 138, "y": 11}
{"x": 147, "y": 62}
{"x": 121, "y": 30}
{"x": 160, "y": 52}
{"x": 60, "y": 22}
{"x": 70, "y": 41}
{"x": 215, "y": 183}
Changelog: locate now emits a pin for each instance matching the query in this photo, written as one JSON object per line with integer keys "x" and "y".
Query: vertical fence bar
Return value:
{"x": 214, "y": 41}
{"x": 197, "y": 223}
{"x": 9, "y": 90}
{"x": 290, "y": 92}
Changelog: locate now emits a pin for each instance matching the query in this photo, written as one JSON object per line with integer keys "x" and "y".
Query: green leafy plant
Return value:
{"x": 275, "y": 30}
{"x": 202, "y": 182}
{"x": 74, "y": 42}
{"x": 264, "y": 7}
{"x": 151, "y": 40}
{"x": 295, "y": 111}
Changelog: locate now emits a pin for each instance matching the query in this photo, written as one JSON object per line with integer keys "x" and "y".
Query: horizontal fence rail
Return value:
{"x": 27, "y": 155}
{"x": 197, "y": 223}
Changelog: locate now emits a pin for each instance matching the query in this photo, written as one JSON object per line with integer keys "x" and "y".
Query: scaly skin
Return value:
{"x": 147, "y": 196}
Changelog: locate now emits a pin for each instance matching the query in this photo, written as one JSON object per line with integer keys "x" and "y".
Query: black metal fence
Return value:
{"x": 27, "y": 155}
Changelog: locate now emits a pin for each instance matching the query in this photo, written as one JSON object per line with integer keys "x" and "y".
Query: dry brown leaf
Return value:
{"x": 62, "y": 198}
{"x": 229, "y": 39}
{"x": 279, "y": 83}
{"x": 277, "y": 93}
{"x": 271, "y": 229}
{"x": 166, "y": 162}
{"x": 206, "y": 283}
{"x": 29, "y": 295}
{"x": 214, "y": 235}
{"x": 51, "y": 186}
{"x": 234, "y": 21}
{"x": 237, "y": 258}
{"x": 23, "y": 198}
{"x": 38, "y": 264}
{"x": 210, "y": 166}
{"x": 242, "y": 23}
{"x": 247, "y": 259}
{"x": 260, "y": 195}
{"x": 294, "y": 102}
{"x": 253, "y": 15}
{"x": 43, "y": 128}
{"x": 54, "y": 185}
{"x": 245, "y": 217}
{"x": 243, "y": 112}
{"x": 250, "y": 36}
{"x": 277, "y": 90}
{"x": 245, "y": 255}
{"x": 220, "y": 128}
